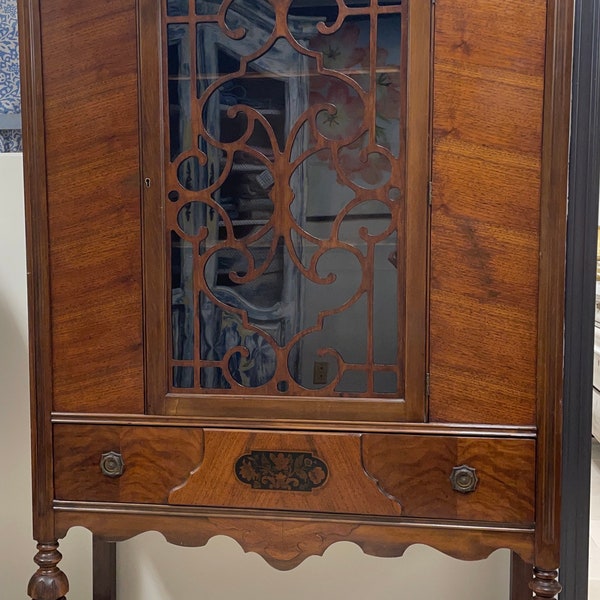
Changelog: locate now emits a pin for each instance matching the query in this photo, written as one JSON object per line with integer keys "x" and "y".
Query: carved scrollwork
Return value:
{"x": 287, "y": 163}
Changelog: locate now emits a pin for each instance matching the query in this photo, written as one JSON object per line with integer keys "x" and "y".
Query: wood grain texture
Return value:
{"x": 93, "y": 181}
{"x": 153, "y": 124}
{"x": 156, "y": 459}
{"x": 347, "y": 490}
{"x": 38, "y": 283}
{"x": 418, "y": 169}
{"x": 500, "y": 138}
{"x": 471, "y": 430}
{"x": 550, "y": 348}
{"x": 285, "y": 543}
{"x": 487, "y": 123}
{"x": 417, "y": 469}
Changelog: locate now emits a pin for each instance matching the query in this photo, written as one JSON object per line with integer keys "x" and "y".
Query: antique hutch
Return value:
{"x": 296, "y": 273}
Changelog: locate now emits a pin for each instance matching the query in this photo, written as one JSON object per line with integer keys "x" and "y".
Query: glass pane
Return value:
{"x": 178, "y": 68}
{"x": 177, "y": 8}
{"x": 289, "y": 208}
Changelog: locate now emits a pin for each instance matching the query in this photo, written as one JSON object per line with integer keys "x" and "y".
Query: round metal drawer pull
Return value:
{"x": 464, "y": 479}
{"x": 112, "y": 464}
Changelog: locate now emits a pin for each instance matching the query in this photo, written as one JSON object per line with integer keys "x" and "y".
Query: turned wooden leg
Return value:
{"x": 104, "y": 561}
{"x": 48, "y": 582}
{"x": 545, "y": 583}
{"x": 521, "y": 576}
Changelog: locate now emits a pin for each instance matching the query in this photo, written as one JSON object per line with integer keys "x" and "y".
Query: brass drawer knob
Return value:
{"x": 112, "y": 464}
{"x": 464, "y": 479}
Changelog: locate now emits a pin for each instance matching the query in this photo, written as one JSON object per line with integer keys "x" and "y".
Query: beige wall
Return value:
{"x": 150, "y": 568}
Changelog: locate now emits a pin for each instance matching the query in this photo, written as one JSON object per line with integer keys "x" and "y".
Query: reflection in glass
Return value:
{"x": 183, "y": 377}
{"x": 182, "y": 309}
{"x": 177, "y": 8}
{"x": 178, "y": 68}
{"x": 287, "y": 155}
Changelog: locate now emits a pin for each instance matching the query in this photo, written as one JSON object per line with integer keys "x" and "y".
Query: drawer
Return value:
{"x": 418, "y": 470}
{"x": 155, "y": 460}
{"x": 388, "y": 475}
{"x": 215, "y": 468}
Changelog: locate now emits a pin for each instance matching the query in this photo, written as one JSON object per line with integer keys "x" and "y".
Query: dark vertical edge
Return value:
{"x": 553, "y": 214}
{"x": 417, "y": 208}
{"x": 582, "y": 227}
{"x": 104, "y": 568}
{"x": 521, "y": 574}
{"x": 153, "y": 238}
{"x": 38, "y": 267}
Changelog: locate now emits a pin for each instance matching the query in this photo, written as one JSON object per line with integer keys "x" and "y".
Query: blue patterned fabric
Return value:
{"x": 10, "y": 97}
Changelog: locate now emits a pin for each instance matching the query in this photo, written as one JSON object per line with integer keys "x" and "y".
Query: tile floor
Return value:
{"x": 594, "y": 573}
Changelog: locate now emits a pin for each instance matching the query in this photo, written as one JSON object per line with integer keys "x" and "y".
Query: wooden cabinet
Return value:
{"x": 297, "y": 269}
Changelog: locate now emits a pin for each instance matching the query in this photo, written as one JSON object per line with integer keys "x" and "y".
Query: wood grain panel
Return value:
{"x": 488, "y": 101}
{"x": 347, "y": 490}
{"x": 90, "y": 83}
{"x": 156, "y": 459}
{"x": 492, "y": 35}
{"x": 417, "y": 469}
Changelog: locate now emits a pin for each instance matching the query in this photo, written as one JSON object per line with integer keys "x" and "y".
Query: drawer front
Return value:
{"x": 284, "y": 471}
{"x": 418, "y": 470}
{"x": 217, "y": 468}
{"x": 155, "y": 459}
{"x": 372, "y": 474}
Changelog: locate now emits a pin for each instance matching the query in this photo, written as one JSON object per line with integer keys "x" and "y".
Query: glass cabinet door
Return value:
{"x": 291, "y": 236}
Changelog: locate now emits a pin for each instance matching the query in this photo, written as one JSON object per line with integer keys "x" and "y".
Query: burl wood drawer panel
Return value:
{"x": 238, "y": 469}
{"x": 370, "y": 474}
{"x": 155, "y": 460}
{"x": 417, "y": 470}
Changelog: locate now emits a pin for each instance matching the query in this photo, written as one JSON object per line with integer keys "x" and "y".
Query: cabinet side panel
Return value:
{"x": 487, "y": 134}
{"x": 89, "y": 53}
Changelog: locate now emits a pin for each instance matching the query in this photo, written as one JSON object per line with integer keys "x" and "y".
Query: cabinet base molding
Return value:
{"x": 48, "y": 582}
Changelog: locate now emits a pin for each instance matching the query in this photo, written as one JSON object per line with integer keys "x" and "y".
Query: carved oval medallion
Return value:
{"x": 286, "y": 471}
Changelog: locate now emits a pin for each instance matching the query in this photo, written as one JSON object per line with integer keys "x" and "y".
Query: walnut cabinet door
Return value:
{"x": 285, "y": 154}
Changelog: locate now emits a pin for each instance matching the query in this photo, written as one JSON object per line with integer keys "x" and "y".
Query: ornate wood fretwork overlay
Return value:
{"x": 285, "y": 196}
{"x": 291, "y": 471}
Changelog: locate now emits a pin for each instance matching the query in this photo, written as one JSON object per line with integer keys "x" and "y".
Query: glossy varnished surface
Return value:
{"x": 155, "y": 461}
{"x": 92, "y": 163}
{"x": 388, "y": 475}
{"x": 487, "y": 141}
{"x": 496, "y": 276}
{"x": 285, "y": 541}
{"x": 417, "y": 470}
